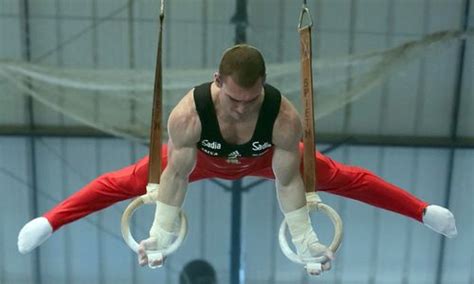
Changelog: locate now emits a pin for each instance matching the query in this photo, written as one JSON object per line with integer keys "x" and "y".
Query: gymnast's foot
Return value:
{"x": 440, "y": 220}
{"x": 33, "y": 234}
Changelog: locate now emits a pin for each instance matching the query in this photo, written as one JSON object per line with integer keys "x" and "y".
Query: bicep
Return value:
{"x": 184, "y": 130}
{"x": 287, "y": 133}
{"x": 182, "y": 150}
{"x": 286, "y": 165}
{"x": 181, "y": 160}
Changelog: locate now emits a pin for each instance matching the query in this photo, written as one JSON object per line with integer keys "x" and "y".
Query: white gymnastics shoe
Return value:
{"x": 33, "y": 234}
{"x": 440, "y": 220}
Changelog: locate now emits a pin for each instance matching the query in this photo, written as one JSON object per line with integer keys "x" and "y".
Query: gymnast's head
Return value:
{"x": 240, "y": 81}
{"x": 244, "y": 64}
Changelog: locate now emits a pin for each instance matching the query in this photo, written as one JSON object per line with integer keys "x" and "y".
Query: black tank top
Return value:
{"x": 212, "y": 143}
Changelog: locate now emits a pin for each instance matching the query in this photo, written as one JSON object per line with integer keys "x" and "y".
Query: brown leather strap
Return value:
{"x": 309, "y": 176}
{"x": 154, "y": 166}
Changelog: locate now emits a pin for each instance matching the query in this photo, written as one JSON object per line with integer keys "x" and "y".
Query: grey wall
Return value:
{"x": 418, "y": 101}
{"x": 378, "y": 246}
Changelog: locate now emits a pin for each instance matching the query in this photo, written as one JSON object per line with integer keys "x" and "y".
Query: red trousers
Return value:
{"x": 333, "y": 177}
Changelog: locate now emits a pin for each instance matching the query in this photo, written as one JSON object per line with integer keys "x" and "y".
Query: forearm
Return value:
{"x": 291, "y": 196}
{"x": 170, "y": 198}
{"x": 288, "y": 181}
{"x": 292, "y": 199}
{"x": 172, "y": 190}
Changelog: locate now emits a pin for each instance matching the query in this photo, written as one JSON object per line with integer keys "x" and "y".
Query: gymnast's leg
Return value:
{"x": 100, "y": 193}
{"x": 362, "y": 185}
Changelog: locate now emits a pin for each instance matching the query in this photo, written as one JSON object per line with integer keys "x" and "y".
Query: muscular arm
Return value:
{"x": 184, "y": 132}
{"x": 286, "y": 159}
{"x": 290, "y": 187}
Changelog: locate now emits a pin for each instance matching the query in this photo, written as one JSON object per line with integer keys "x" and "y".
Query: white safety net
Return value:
{"x": 119, "y": 102}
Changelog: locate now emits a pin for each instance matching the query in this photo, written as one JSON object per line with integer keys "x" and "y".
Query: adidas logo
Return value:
{"x": 234, "y": 155}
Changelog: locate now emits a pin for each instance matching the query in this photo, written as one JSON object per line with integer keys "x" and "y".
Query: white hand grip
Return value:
{"x": 337, "y": 222}
{"x": 313, "y": 268}
{"x": 132, "y": 243}
{"x": 155, "y": 256}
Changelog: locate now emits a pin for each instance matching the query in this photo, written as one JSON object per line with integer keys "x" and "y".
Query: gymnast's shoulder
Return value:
{"x": 288, "y": 128}
{"x": 184, "y": 126}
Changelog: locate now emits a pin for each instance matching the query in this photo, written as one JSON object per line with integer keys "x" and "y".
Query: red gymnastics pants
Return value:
{"x": 333, "y": 177}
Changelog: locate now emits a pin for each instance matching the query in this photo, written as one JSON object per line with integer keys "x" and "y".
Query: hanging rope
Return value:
{"x": 154, "y": 164}
{"x": 309, "y": 161}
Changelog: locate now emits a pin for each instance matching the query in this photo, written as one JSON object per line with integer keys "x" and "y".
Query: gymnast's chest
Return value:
{"x": 237, "y": 133}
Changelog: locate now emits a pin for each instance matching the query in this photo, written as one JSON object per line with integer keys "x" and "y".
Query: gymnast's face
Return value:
{"x": 237, "y": 101}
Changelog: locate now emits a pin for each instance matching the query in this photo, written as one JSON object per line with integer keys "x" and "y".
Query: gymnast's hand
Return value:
{"x": 159, "y": 239}
{"x": 306, "y": 241}
{"x": 316, "y": 249}
{"x": 33, "y": 234}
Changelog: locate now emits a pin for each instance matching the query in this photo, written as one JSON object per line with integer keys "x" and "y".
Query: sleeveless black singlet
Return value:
{"x": 213, "y": 144}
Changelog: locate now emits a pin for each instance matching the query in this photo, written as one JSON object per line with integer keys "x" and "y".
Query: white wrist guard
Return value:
{"x": 151, "y": 193}
{"x": 302, "y": 233}
{"x": 166, "y": 219}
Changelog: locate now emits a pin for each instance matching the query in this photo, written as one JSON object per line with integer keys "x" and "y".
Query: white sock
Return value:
{"x": 33, "y": 234}
{"x": 440, "y": 220}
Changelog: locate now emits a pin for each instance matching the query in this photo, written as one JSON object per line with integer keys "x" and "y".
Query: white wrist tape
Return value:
{"x": 152, "y": 193}
{"x": 162, "y": 238}
{"x": 301, "y": 231}
{"x": 152, "y": 187}
{"x": 166, "y": 217}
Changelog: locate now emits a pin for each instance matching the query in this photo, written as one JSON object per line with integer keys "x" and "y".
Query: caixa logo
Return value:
{"x": 212, "y": 145}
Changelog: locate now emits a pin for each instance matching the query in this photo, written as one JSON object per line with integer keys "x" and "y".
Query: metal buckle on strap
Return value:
{"x": 305, "y": 11}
